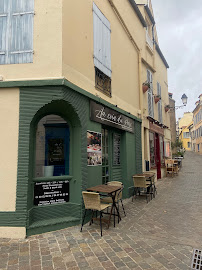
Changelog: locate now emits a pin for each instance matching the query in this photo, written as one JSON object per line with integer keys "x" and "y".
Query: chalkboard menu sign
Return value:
{"x": 116, "y": 153}
{"x": 46, "y": 193}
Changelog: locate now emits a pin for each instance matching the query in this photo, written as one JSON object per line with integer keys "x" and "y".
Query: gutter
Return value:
{"x": 138, "y": 13}
{"x": 149, "y": 14}
{"x": 161, "y": 55}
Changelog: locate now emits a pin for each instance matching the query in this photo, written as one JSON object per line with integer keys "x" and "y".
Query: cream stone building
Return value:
{"x": 72, "y": 70}
{"x": 156, "y": 134}
{"x": 197, "y": 126}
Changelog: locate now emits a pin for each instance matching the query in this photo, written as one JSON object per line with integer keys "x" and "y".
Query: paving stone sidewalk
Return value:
{"x": 154, "y": 236}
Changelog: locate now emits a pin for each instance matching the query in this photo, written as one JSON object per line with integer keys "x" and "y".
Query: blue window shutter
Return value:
{"x": 21, "y": 32}
{"x": 4, "y": 10}
{"x": 102, "y": 41}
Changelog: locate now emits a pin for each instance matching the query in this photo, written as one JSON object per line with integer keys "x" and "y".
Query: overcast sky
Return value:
{"x": 179, "y": 29}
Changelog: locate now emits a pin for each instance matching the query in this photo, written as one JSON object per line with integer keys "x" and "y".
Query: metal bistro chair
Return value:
{"x": 118, "y": 197}
{"x": 140, "y": 182}
{"x": 169, "y": 167}
{"x": 176, "y": 167}
{"x": 92, "y": 202}
{"x": 153, "y": 188}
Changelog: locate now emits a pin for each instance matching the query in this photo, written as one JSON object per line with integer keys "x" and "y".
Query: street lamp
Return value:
{"x": 184, "y": 101}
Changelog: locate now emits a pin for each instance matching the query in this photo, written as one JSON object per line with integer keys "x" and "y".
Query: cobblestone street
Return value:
{"x": 153, "y": 236}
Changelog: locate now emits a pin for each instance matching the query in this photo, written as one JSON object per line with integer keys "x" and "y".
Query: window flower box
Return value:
{"x": 157, "y": 98}
{"x": 145, "y": 86}
{"x": 167, "y": 108}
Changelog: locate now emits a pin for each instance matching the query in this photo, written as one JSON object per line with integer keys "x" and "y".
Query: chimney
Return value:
{"x": 200, "y": 98}
{"x": 170, "y": 95}
{"x": 197, "y": 102}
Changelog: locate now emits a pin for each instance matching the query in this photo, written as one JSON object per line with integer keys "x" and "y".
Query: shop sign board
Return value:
{"x": 156, "y": 128}
{"x": 104, "y": 115}
{"x": 54, "y": 192}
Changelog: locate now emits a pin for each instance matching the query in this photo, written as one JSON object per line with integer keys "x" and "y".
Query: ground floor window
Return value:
{"x": 52, "y": 147}
{"x": 189, "y": 145}
{"x": 161, "y": 149}
{"x": 152, "y": 148}
{"x": 167, "y": 149}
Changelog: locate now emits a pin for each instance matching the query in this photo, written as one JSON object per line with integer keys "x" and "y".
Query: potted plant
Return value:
{"x": 145, "y": 86}
{"x": 167, "y": 108}
{"x": 157, "y": 98}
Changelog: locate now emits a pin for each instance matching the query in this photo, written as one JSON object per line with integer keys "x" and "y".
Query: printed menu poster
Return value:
{"x": 94, "y": 148}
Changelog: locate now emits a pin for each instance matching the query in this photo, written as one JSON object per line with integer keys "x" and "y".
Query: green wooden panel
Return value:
{"x": 138, "y": 146}
{"x": 117, "y": 174}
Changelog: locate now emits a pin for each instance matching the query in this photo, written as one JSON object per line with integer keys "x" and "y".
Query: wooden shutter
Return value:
{"x": 21, "y": 40}
{"x": 102, "y": 41}
{"x": 150, "y": 94}
{"x": 4, "y": 9}
{"x": 159, "y": 103}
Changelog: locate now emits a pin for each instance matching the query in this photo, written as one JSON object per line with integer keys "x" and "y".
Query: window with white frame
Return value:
{"x": 161, "y": 141}
{"x": 150, "y": 94}
{"x": 102, "y": 50}
{"x": 186, "y": 135}
{"x": 167, "y": 149}
{"x": 159, "y": 103}
{"x": 152, "y": 148}
{"x": 16, "y": 31}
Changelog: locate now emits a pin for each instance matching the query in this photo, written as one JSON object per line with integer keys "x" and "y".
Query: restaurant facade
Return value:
{"x": 72, "y": 107}
{"x": 54, "y": 123}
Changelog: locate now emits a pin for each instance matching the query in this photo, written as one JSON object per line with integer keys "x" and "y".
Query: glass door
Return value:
{"x": 105, "y": 156}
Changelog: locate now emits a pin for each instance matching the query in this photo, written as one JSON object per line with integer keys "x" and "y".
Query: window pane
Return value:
{"x": 152, "y": 151}
{"x": 161, "y": 149}
{"x": 52, "y": 147}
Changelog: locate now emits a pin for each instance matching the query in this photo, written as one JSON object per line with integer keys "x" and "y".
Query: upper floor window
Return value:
{"x": 186, "y": 134}
{"x": 159, "y": 103}
{"x": 149, "y": 35}
{"x": 150, "y": 94}
{"x": 16, "y": 31}
{"x": 102, "y": 51}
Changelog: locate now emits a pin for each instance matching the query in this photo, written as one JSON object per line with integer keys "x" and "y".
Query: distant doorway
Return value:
{"x": 158, "y": 156}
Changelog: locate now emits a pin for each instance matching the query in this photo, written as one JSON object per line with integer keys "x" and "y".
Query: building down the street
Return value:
{"x": 75, "y": 111}
{"x": 183, "y": 133}
{"x": 196, "y": 128}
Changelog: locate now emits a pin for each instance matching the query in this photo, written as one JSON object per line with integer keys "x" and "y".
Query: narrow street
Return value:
{"x": 153, "y": 236}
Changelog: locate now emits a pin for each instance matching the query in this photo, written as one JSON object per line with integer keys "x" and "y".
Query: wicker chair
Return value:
{"x": 92, "y": 202}
{"x": 140, "y": 182}
{"x": 154, "y": 189}
{"x": 169, "y": 167}
{"x": 118, "y": 197}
